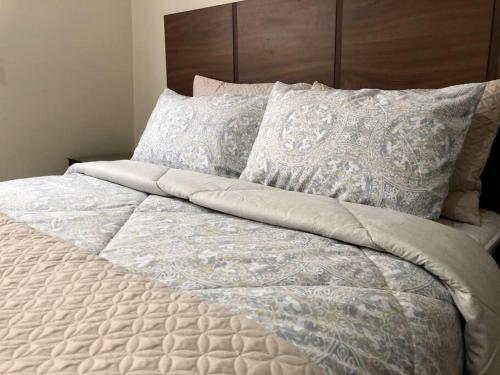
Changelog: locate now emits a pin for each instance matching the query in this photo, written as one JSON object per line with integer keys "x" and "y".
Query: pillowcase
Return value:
{"x": 212, "y": 135}
{"x": 462, "y": 202}
{"x": 394, "y": 149}
{"x": 203, "y": 86}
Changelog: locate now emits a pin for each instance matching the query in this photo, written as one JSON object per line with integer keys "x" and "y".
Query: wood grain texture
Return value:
{"x": 286, "y": 40}
{"x": 490, "y": 195}
{"x": 494, "y": 60}
{"x": 400, "y": 44}
{"x": 389, "y": 44}
{"x": 199, "y": 42}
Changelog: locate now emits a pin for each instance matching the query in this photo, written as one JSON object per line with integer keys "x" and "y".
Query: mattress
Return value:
{"x": 487, "y": 234}
{"x": 334, "y": 284}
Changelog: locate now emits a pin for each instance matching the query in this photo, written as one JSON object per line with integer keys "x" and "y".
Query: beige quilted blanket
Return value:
{"x": 65, "y": 311}
{"x": 470, "y": 275}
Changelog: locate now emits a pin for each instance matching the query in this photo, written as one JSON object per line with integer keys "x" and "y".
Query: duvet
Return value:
{"x": 125, "y": 267}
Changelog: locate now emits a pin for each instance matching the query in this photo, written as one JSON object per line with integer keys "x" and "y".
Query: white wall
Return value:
{"x": 65, "y": 82}
{"x": 149, "y": 51}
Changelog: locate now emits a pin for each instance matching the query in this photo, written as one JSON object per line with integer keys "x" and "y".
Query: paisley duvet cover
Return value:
{"x": 355, "y": 289}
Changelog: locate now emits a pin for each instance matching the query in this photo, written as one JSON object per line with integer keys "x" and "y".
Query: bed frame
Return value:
{"x": 348, "y": 44}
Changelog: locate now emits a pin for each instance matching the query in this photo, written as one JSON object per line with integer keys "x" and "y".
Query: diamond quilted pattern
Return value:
{"x": 64, "y": 310}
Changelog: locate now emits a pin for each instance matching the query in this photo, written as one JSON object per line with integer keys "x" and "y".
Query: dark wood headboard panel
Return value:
{"x": 398, "y": 44}
{"x": 349, "y": 44}
{"x": 283, "y": 40}
{"x": 199, "y": 42}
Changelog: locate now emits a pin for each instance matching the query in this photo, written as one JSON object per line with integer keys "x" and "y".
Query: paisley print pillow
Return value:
{"x": 393, "y": 149}
{"x": 211, "y": 135}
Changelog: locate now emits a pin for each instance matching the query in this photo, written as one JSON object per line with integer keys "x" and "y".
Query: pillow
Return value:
{"x": 394, "y": 149}
{"x": 203, "y": 86}
{"x": 462, "y": 202}
{"x": 211, "y": 135}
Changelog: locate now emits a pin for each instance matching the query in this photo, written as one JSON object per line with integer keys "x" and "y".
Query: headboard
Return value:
{"x": 348, "y": 44}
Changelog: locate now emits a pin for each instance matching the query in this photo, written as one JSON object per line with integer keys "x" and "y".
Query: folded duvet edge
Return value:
{"x": 458, "y": 261}
{"x": 132, "y": 174}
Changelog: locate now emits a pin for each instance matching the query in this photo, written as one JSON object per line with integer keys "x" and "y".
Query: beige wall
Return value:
{"x": 149, "y": 51}
{"x": 75, "y": 80}
{"x": 65, "y": 82}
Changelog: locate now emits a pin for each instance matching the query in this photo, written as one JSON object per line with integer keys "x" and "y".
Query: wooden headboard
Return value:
{"x": 348, "y": 44}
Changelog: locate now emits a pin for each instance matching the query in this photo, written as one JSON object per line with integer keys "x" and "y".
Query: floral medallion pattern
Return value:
{"x": 85, "y": 211}
{"x": 349, "y": 309}
{"x": 394, "y": 149}
{"x": 205, "y": 134}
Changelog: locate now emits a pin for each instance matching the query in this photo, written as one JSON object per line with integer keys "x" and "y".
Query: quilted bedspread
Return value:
{"x": 344, "y": 288}
{"x": 67, "y": 311}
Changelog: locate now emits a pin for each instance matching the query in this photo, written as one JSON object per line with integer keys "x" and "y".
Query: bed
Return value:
{"x": 134, "y": 267}
{"x": 487, "y": 233}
